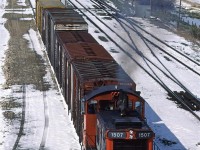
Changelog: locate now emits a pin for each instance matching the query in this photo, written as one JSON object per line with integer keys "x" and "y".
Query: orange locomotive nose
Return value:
{"x": 127, "y": 133}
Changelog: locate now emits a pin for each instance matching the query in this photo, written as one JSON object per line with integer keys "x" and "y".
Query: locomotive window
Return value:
{"x": 97, "y": 137}
{"x": 106, "y": 105}
{"x": 92, "y": 107}
{"x": 82, "y": 107}
{"x": 130, "y": 104}
{"x": 138, "y": 107}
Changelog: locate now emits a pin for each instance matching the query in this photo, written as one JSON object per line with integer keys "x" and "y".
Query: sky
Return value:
{"x": 167, "y": 121}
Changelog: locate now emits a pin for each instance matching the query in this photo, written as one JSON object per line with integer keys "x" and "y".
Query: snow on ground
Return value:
{"x": 168, "y": 122}
{"x": 60, "y": 126}
{"x": 3, "y": 47}
{"x": 3, "y": 40}
{"x": 190, "y": 5}
{"x": 187, "y": 3}
{"x": 195, "y": 1}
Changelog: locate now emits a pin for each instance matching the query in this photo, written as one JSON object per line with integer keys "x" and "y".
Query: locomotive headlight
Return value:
{"x": 131, "y": 137}
{"x": 131, "y": 131}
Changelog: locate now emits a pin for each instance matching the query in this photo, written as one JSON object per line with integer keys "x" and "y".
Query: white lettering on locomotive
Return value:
{"x": 144, "y": 135}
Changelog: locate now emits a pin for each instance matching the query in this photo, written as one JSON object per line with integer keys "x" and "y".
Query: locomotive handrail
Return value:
{"x": 110, "y": 88}
{"x": 155, "y": 146}
{"x": 89, "y": 136}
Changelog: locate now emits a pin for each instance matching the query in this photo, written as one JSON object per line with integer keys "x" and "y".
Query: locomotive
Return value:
{"x": 106, "y": 110}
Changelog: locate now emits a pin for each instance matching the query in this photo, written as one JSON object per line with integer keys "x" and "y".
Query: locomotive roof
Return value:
{"x": 113, "y": 120}
{"x": 75, "y": 36}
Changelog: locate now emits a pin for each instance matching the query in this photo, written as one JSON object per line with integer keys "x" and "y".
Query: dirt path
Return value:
{"x": 22, "y": 65}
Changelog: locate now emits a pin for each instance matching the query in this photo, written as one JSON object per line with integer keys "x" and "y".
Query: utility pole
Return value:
{"x": 180, "y": 10}
{"x": 179, "y": 13}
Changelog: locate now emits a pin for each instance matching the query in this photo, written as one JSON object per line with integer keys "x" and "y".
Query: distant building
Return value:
{"x": 143, "y": 8}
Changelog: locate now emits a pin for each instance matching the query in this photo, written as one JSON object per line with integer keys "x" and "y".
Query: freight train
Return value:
{"x": 107, "y": 111}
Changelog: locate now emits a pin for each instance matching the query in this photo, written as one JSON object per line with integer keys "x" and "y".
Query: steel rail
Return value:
{"x": 173, "y": 78}
{"x": 46, "y": 122}
{"x": 22, "y": 122}
{"x": 131, "y": 20}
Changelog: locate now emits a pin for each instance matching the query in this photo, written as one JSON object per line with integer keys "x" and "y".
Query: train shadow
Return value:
{"x": 164, "y": 138}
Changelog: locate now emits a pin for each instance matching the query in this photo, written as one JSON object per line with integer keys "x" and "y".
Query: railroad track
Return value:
{"x": 23, "y": 88}
{"x": 46, "y": 123}
{"x": 46, "y": 115}
{"x": 22, "y": 122}
{"x": 133, "y": 22}
{"x": 22, "y": 130}
{"x": 133, "y": 26}
{"x": 184, "y": 101}
{"x": 188, "y": 97}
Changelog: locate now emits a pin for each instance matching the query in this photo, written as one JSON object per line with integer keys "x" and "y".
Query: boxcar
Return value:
{"x": 63, "y": 20}
{"x": 68, "y": 37}
{"x": 41, "y": 5}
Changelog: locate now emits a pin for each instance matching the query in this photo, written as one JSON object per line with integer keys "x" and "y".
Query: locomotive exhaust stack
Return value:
{"x": 123, "y": 103}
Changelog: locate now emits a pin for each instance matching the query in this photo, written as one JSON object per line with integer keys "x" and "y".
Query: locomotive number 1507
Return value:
{"x": 116, "y": 135}
{"x": 144, "y": 135}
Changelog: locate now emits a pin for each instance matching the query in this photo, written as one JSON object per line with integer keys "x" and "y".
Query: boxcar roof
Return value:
{"x": 65, "y": 14}
{"x": 75, "y": 36}
{"x": 91, "y": 70}
{"x": 51, "y": 4}
{"x": 55, "y": 11}
{"x": 68, "y": 18}
{"x": 60, "y": 10}
{"x": 92, "y": 62}
{"x": 83, "y": 50}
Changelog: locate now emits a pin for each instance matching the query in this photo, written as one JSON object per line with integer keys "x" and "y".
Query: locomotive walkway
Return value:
{"x": 34, "y": 115}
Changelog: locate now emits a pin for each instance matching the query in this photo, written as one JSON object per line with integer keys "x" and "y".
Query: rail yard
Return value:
{"x": 87, "y": 75}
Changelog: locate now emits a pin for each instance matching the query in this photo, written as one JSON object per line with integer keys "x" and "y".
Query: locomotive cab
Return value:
{"x": 115, "y": 120}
